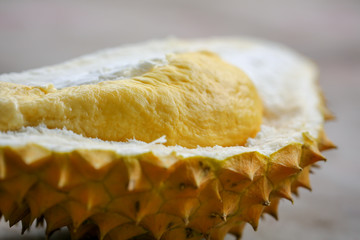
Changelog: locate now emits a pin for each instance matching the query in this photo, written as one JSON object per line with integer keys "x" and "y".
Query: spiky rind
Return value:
{"x": 104, "y": 194}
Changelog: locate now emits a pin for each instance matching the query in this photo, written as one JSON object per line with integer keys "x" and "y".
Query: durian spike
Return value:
{"x": 248, "y": 165}
{"x": 219, "y": 232}
{"x": 61, "y": 173}
{"x": 310, "y": 153}
{"x": 137, "y": 180}
{"x": 78, "y": 213}
{"x": 257, "y": 193}
{"x": 210, "y": 190}
{"x": 237, "y": 172}
{"x": 187, "y": 178}
{"x": 164, "y": 222}
{"x": 21, "y": 211}
{"x": 283, "y": 190}
{"x": 315, "y": 166}
{"x": 252, "y": 215}
{"x": 11, "y": 165}
{"x": 303, "y": 179}
{"x": 156, "y": 169}
{"x": 40, "y": 221}
{"x": 137, "y": 205}
{"x": 284, "y": 163}
{"x": 87, "y": 230}
{"x": 32, "y": 155}
{"x": 93, "y": 164}
{"x": 37, "y": 203}
{"x": 324, "y": 142}
{"x": 202, "y": 170}
{"x": 56, "y": 218}
{"x": 91, "y": 195}
{"x": 18, "y": 187}
{"x": 117, "y": 180}
{"x": 230, "y": 203}
{"x": 237, "y": 230}
{"x": 25, "y": 223}
{"x": 328, "y": 115}
{"x": 233, "y": 181}
{"x": 207, "y": 216}
{"x": 7, "y": 206}
{"x": 108, "y": 221}
{"x": 181, "y": 207}
{"x": 272, "y": 209}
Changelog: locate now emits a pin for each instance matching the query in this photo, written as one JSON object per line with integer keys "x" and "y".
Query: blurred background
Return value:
{"x": 37, "y": 33}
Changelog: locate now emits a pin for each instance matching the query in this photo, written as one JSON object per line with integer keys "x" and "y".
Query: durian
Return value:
{"x": 169, "y": 139}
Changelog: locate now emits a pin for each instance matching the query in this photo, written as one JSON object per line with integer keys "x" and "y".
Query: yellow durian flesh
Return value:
{"x": 194, "y": 100}
{"x": 122, "y": 190}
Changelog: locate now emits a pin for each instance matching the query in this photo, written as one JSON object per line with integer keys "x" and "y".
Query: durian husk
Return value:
{"x": 106, "y": 194}
{"x": 110, "y": 196}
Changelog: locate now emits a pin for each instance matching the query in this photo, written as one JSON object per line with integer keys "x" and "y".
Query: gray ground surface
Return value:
{"x": 37, "y": 33}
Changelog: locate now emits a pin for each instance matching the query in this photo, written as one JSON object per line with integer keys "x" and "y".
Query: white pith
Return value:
{"x": 285, "y": 81}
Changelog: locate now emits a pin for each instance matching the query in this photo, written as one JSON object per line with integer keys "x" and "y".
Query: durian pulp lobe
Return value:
{"x": 195, "y": 100}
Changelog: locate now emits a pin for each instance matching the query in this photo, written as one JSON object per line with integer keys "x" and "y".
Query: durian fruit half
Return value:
{"x": 169, "y": 139}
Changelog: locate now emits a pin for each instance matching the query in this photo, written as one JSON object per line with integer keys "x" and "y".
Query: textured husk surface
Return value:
{"x": 102, "y": 194}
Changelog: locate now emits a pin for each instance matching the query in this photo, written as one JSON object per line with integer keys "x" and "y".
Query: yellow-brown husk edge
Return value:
{"x": 100, "y": 193}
